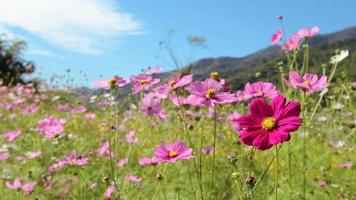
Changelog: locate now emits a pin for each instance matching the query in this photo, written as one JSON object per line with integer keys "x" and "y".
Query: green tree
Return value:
{"x": 12, "y": 64}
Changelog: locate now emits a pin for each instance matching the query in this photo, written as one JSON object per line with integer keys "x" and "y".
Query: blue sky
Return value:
{"x": 102, "y": 38}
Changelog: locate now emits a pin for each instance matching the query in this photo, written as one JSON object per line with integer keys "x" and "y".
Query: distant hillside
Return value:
{"x": 240, "y": 70}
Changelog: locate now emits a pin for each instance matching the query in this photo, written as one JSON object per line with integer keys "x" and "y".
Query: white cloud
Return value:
{"x": 42, "y": 52}
{"x": 78, "y": 25}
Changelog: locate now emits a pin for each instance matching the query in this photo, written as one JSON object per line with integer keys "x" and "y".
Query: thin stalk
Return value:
{"x": 214, "y": 152}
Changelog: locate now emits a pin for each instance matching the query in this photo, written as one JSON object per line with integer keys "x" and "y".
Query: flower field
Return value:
{"x": 183, "y": 138}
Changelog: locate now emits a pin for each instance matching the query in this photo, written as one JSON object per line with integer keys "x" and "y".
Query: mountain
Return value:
{"x": 238, "y": 71}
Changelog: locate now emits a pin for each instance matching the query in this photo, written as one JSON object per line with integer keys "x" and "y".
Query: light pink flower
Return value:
{"x": 116, "y": 81}
{"x": 4, "y": 155}
{"x": 152, "y": 71}
{"x": 172, "y": 152}
{"x": 72, "y": 159}
{"x": 32, "y": 108}
{"x": 89, "y": 116}
{"x": 130, "y": 137}
{"x": 11, "y": 135}
{"x": 208, "y": 150}
{"x": 207, "y": 93}
{"x": 176, "y": 82}
{"x": 27, "y": 188}
{"x": 277, "y": 36}
{"x": 121, "y": 163}
{"x": 309, "y": 82}
{"x": 345, "y": 165}
{"x": 105, "y": 149}
{"x": 269, "y": 124}
{"x": 146, "y": 161}
{"x": 150, "y": 105}
{"x": 15, "y": 185}
{"x": 51, "y": 126}
{"x": 292, "y": 44}
{"x": 133, "y": 179}
{"x": 34, "y": 154}
{"x": 142, "y": 82}
{"x": 232, "y": 119}
{"x": 308, "y": 33}
{"x": 260, "y": 89}
{"x": 109, "y": 191}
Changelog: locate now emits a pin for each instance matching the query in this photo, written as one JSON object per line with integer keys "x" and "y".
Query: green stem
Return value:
{"x": 276, "y": 186}
{"x": 214, "y": 152}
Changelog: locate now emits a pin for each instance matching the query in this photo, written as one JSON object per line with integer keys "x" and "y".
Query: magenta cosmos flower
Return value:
{"x": 51, "y": 126}
{"x": 172, "y": 153}
{"x": 307, "y": 33}
{"x": 260, "y": 89}
{"x": 309, "y": 82}
{"x": 269, "y": 124}
{"x": 142, "y": 82}
{"x": 207, "y": 93}
{"x": 277, "y": 36}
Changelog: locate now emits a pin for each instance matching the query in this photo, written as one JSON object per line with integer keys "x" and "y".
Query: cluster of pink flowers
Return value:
{"x": 309, "y": 82}
{"x": 51, "y": 126}
{"x": 71, "y": 159}
{"x": 295, "y": 41}
{"x": 27, "y": 188}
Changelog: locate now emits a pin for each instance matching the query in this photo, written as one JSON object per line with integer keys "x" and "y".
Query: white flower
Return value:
{"x": 338, "y": 106}
{"x": 339, "y": 57}
{"x": 56, "y": 98}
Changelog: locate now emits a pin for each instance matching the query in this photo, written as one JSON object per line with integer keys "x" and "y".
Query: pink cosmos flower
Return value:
{"x": 130, "y": 137}
{"x": 89, "y": 116}
{"x": 241, "y": 96}
{"x": 269, "y": 124}
{"x": 104, "y": 149}
{"x": 152, "y": 71}
{"x": 51, "y": 126}
{"x": 150, "y": 105}
{"x": 309, "y": 82}
{"x": 32, "y": 108}
{"x": 207, "y": 93}
{"x": 142, "y": 82}
{"x": 322, "y": 183}
{"x": 308, "y": 33}
{"x": 11, "y": 135}
{"x": 4, "y": 155}
{"x": 121, "y": 163}
{"x": 277, "y": 36}
{"x": 345, "y": 165}
{"x": 292, "y": 44}
{"x": 172, "y": 152}
{"x": 133, "y": 179}
{"x": 232, "y": 119}
{"x": 208, "y": 150}
{"x": 34, "y": 154}
{"x": 109, "y": 191}
{"x": 260, "y": 89}
{"x": 176, "y": 82}
{"x": 116, "y": 81}
{"x": 15, "y": 185}
{"x": 72, "y": 159}
{"x": 146, "y": 161}
{"x": 27, "y": 188}
{"x": 79, "y": 109}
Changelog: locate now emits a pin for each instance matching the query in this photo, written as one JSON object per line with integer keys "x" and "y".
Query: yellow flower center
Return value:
{"x": 172, "y": 82}
{"x": 143, "y": 82}
{"x": 73, "y": 161}
{"x": 172, "y": 154}
{"x": 211, "y": 93}
{"x": 214, "y": 75}
{"x": 268, "y": 123}
{"x": 112, "y": 83}
{"x": 306, "y": 82}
